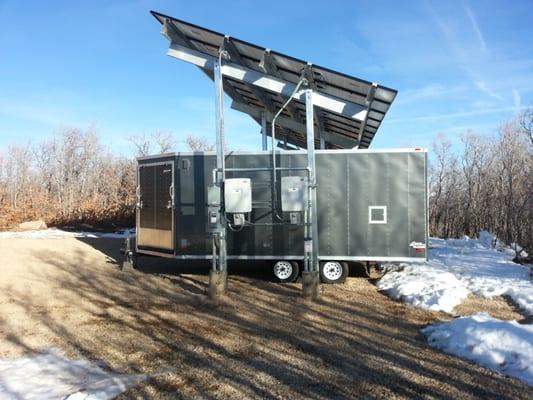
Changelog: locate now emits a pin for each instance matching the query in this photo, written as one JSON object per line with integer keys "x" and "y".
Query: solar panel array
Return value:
{"x": 339, "y": 131}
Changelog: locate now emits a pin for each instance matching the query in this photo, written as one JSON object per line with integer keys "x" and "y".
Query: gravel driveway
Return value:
{"x": 262, "y": 341}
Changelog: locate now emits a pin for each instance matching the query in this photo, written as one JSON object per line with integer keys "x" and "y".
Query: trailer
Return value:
{"x": 317, "y": 199}
{"x": 371, "y": 207}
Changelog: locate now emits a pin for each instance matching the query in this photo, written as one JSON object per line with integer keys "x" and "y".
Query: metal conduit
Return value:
{"x": 302, "y": 81}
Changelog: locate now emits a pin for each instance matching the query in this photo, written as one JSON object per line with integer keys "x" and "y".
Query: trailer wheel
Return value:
{"x": 333, "y": 271}
{"x": 286, "y": 271}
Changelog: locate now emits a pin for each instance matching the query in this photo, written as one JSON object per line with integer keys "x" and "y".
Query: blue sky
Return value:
{"x": 457, "y": 65}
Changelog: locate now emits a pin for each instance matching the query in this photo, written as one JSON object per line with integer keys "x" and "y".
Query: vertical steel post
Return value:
{"x": 221, "y": 169}
{"x": 264, "y": 130}
{"x": 310, "y": 275}
{"x": 311, "y": 165}
{"x": 322, "y": 142}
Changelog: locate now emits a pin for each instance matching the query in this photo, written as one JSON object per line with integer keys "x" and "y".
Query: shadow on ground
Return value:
{"x": 261, "y": 341}
{"x": 261, "y": 270}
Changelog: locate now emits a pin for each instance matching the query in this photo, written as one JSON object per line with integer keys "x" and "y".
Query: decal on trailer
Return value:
{"x": 418, "y": 246}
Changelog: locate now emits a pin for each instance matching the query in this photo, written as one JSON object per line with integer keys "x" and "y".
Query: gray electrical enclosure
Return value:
{"x": 293, "y": 193}
{"x": 372, "y": 205}
{"x": 238, "y": 195}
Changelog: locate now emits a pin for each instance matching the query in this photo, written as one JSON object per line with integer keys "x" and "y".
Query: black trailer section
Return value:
{"x": 371, "y": 206}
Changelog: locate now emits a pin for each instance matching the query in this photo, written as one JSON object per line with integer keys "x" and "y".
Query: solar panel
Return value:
{"x": 348, "y": 110}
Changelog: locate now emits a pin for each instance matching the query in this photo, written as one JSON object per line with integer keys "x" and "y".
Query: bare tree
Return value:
{"x": 486, "y": 186}
{"x": 67, "y": 179}
{"x": 526, "y": 123}
{"x": 164, "y": 141}
{"x": 141, "y": 144}
{"x": 198, "y": 144}
{"x": 157, "y": 142}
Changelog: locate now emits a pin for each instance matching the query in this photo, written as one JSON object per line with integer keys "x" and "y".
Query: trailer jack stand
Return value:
{"x": 218, "y": 282}
{"x": 310, "y": 285}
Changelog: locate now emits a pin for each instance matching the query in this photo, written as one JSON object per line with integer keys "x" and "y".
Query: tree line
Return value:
{"x": 487, "y": 184}
{"x": 71, "y": 179}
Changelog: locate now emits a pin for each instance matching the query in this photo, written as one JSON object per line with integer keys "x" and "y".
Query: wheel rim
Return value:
{"x": 283, "y": 270}
{"x": 332, "y": 270}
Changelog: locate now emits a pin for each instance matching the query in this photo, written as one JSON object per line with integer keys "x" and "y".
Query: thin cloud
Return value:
{"x": 475, "y": 65}
{"x": 429, "y": 91}
{"x": 46, "y": 115}
{"x": 462, "y": 114}
{"x": 484, "y": 88}
{"x": 517, "y": 99}
{"x": 430, "y": 134}
{"x": 475, "y": 27}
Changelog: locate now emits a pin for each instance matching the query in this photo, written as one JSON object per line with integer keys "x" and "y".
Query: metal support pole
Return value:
{"x": 264, "y": 131}
{"x": 310, "y": 278}
{"x": 322, "y": 142}
{"x": 218, "y": 277}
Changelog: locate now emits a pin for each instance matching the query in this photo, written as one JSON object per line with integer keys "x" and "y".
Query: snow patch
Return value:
{"x": 424, "y": 287}
{"x": 503, "y": 346}
{"x": 53, "y": 233}
{"x": 52, "y": 376}
{"x": 477, "y": 268}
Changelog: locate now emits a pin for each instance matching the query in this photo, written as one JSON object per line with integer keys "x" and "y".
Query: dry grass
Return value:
{"x": 262, "y": 341}
{"x": 497, "y": 307}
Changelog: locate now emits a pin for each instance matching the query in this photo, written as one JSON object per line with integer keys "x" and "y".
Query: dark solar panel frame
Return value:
{"x": 289, "y": 69}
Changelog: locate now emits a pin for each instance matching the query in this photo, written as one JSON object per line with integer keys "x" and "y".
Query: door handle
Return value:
{"x": 170, "y": 203}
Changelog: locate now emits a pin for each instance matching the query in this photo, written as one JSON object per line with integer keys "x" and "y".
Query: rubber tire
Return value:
{"x": 292, "y": 277}
{"x": 341, "y": 279}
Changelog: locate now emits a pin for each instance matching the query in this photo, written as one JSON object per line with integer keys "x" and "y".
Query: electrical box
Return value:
{"x": 238, "y": 195}
{"x": 213, "y": 201}
{"x": 293, "y": 193}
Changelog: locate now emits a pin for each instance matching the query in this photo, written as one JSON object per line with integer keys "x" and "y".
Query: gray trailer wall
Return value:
{"x": 349, "y": 182}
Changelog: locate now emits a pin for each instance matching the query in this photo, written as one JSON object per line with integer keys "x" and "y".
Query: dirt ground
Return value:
{"x": 262, "y": 341}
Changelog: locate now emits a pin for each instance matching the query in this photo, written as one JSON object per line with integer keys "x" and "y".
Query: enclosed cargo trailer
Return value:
{"x": 321, "y": 202}
{"x": 371, "y": 206}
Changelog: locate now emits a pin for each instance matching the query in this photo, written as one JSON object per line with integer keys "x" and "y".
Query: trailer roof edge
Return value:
{"x": 339, "y": 151}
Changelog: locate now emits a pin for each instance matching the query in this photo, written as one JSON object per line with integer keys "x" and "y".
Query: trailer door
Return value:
{"x": 155, "y": 206}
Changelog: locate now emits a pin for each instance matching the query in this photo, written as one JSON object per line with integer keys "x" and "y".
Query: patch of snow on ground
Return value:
{"x": 503, "y": 346}
{"x": 425, "y": 287}
{"x": 53, "y": 233}
{"x": 52, "y": 376}
{"x": 477, "y": 268}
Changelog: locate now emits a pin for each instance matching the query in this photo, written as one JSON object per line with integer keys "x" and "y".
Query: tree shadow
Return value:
{"x": 261, "y": 341}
